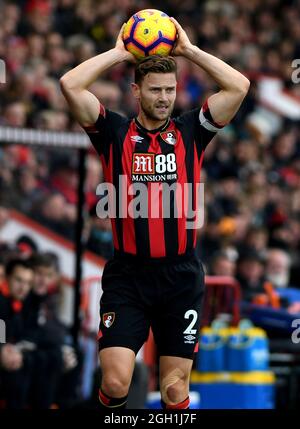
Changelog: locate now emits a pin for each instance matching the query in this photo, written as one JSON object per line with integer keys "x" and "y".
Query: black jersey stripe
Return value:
{"x": 171, "y": 222}
{"x": 141, "y": 225}
{"x": 117, "y": 171}
{"x": 189, "y": 166}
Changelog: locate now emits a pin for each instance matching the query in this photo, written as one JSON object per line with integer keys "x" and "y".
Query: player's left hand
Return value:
{"x": 182, "y": 42}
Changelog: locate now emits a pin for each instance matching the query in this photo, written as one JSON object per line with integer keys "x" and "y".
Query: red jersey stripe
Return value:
{"x": 155, "y": 225}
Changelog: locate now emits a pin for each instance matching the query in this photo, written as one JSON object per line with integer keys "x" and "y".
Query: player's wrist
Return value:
{"x": 182, "y": 50}
{"x": 118, "y": 54}
{"x": 121, "y": 54}
{"x": 190, "y": 51}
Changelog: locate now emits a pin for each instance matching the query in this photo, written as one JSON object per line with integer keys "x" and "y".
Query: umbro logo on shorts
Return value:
{"x": 189, "y": 339}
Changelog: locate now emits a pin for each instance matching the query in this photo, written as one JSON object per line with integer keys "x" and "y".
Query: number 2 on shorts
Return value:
{"x": 188, "y": 315}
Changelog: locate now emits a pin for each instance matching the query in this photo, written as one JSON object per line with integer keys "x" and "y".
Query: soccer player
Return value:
{"x": 155, "y": 279}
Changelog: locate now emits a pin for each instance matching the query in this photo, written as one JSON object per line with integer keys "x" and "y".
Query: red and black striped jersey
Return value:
{"x": 171, "y": 154}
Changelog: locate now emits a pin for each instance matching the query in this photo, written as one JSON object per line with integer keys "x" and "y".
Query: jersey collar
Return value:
{"x": 161, "y": 128}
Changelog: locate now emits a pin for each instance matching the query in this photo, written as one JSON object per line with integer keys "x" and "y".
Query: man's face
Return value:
{"x": 43, "y": 278}
{"x": 251, "y": 269}
{"x": 156, "y": 94}
{"x": 19, "y": 282}
{"x": 224, "y": 267}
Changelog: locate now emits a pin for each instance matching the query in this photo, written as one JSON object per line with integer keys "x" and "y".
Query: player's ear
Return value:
{"x": 135, "y": 90}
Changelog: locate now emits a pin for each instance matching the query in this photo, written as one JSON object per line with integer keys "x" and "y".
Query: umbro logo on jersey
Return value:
{"x": 137, "y": 139}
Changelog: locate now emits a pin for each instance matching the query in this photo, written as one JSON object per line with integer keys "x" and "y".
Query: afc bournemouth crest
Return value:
{"x": 169, "y": 137}
{"x": 108, "y": 319}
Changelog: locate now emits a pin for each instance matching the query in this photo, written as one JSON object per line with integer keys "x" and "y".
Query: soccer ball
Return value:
{"x": 149, "y": 32}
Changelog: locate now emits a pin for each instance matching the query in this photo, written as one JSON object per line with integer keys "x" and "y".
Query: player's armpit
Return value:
{"x": 224, "y": 105}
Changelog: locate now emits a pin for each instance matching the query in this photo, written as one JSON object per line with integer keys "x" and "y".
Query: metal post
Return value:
{"x": 79, "y": 245}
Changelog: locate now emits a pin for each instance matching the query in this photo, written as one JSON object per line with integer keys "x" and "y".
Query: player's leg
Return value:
{"x": 174, "y": 377}
{"x": 117, "y": 365}
{"x": 124, "y": 327}
{"x": 176, "y": 328}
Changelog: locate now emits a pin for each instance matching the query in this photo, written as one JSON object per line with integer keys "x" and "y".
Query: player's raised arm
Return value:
{"x": 234, "y": 85}
{"x": 75, "y": 83}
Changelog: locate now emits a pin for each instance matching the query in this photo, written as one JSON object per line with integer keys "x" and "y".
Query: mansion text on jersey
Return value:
{"x": 152, "y": 200}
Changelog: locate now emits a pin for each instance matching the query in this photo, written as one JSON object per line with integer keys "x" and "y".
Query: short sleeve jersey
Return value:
{"x": 155, "y": 176}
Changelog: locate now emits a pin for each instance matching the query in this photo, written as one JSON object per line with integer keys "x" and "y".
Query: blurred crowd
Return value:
{"x": 252, "y": 179}
{"x": 39, "y": 364}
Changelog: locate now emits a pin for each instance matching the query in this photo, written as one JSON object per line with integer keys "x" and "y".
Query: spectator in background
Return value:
{"x": 53, "y": 212}
{"x": 228, "y": 192}
{"x": 15, "y": 363}
{"x": 250, "y": 273}
{"x": 40, "y": 40}
{"x": 26, "y": 246}
{"x": 27, "y": 189}
{"x": 15, "y": 114}
{"x": 278, "y": 263}
{"x": 54, "y": 356}
{"x": 224, "y": 263}
{"x": 4, "y": 215}
{"x": 64, "y": 179}
{"x": 19, "y": 279}
{"x": 257, "y": 239}
{"x": 100, "y": 237}
{"x": 2, "y": 276}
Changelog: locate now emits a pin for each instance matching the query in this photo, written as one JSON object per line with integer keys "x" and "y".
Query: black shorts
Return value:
{"x": 164, "y": 295}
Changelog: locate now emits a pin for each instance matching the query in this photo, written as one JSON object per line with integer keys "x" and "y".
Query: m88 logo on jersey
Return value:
{"x": 153, "y": 167}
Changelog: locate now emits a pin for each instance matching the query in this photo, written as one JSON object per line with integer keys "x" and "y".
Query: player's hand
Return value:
{"x": 121, "y": 47}
{"x": 182, "y": 42}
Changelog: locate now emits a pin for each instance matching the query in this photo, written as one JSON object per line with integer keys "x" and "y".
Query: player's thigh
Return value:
{"x": 176, "y": 324}
{"x": 124, "y": 321}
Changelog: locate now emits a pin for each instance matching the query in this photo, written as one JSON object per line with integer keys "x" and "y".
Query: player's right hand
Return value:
{"x": 121, "y": 47}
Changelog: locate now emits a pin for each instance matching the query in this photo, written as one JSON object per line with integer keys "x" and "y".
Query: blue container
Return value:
{"x": 153, "y": 400}
{"x": 211, "y": 354}
{"x": 247, "y": 350}
{"x": 252, "y": 390}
